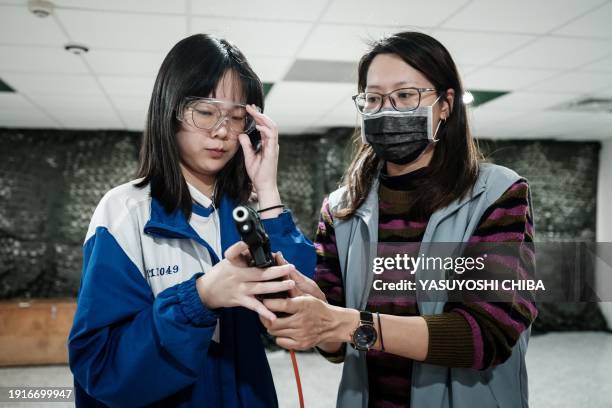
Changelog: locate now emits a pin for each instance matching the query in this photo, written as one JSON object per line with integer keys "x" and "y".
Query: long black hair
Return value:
{"x": 193, "y": 67}
{"x": 454, "y": 166}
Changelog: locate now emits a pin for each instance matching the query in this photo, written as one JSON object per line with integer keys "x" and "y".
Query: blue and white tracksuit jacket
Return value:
{"x": 141, "y": 336}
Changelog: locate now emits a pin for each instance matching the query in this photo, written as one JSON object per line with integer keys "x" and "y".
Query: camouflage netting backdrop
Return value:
{"x": 50, "y": 182}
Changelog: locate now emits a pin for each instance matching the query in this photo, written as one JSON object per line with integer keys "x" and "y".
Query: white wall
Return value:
{"x": 604, "y": 223}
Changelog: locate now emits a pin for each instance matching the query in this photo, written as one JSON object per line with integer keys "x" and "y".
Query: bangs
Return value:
{"x": 232, "y": 80}
{"x": 245, "y": 85}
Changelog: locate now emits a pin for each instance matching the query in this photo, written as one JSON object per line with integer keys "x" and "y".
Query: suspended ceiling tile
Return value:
{"x": 518, "y": 16}
{"x": 465, "y": 69}
{"x": 479, "y": 48}
{"x": 255, "y": 38}
{"x": 21, "y": 118}
{"x": 307, "y": 99}
{"x": 148, "y": 6}
{"x": 94, "y": 122}
{"x": 81, "y": 112}
{"x": 133, "y": 110}
{"x": 577, "y": 82}
{"x": 602, "y": 65}
{"x": 508, "y": 79}
{"x": 603, "y": 93}
{"x": 322, "y": 71}
{"x": 514, "y": 129}
{"x": 343, "y": 114}
{"x": 105, "y": 62}
{"x": 34, "y": 84}
{"x": 341, "y": 42}
{"x": 557, "y": 53}
{"x": 89, "y": 105}
{"x": 131, "y": 103}
{"x": 528, "y": 101}
{"x": 391, "y": 12}
{"x": 288, "y": 120}
{"x": 490, "y": 123}
{"x": 14, "y": 101}
{"x": 134, "y": 122}
{"x": 270, "y": 9}
{"x": 577, "y": 126}
{"x": 540, "y": 124}
{"x": 593, "y": 24}
{"x": 20, "y": 27}
{"x": 587, "y": 125}
{"x": 40, "y": 59}
{"x": 128, "y": 85}
{"x": 292, "y": 104}
{"x": 496, "y": 132}
{"x": 270, "y": 69}
{"x": 123, "y": 31}
{"x": 484, "y": 115}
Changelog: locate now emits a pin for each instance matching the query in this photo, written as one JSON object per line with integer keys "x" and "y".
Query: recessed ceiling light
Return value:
{"x": 77, "y": 49}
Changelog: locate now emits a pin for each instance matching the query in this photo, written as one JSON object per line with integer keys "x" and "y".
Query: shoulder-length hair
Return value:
{"x": 193, "y": 67}
{"x": 454, "y": 166}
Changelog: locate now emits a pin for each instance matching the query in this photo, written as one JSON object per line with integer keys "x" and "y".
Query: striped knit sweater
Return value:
{"x": 472, "y": 335}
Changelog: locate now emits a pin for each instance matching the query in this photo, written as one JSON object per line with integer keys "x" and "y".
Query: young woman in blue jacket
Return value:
{"x": 167, "y": 311}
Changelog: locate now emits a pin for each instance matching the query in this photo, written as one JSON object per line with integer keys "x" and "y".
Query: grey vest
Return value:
{"x": 503, "y": 386}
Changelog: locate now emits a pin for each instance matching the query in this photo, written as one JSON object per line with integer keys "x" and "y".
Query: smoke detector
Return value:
{"x": 40, "y": 8}
{"x": 76, "y": 49}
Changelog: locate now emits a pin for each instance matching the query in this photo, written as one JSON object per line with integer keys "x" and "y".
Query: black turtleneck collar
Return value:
{"x": 403, "y": 182}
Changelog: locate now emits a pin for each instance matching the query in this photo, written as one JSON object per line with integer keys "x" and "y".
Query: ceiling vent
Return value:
{"x": 587, "y": 105}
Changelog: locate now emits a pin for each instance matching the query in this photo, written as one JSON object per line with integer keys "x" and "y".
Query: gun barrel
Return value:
{"x": 252, "y": 232}
{"x": 240, "y": 214}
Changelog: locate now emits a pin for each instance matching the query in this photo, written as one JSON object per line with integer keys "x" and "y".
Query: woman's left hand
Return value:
{"x": 303, "y": 284}
{"x": 261, "y": 166}
{"x": 311, "y": 322}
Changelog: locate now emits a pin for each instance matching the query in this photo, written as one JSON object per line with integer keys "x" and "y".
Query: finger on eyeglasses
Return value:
{"x": 260, "y": 117}
{"x": 254, "y": 108}
{"x": 266, "y": 133}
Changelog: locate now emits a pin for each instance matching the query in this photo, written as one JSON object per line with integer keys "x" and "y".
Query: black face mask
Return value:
{"x": 399, "y": 137}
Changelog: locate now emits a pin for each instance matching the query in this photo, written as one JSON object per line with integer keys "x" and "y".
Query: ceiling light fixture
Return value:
{"x": 468, "y": 98}
{"x": 76, "y": 49}
{"x": 40, "y": 8}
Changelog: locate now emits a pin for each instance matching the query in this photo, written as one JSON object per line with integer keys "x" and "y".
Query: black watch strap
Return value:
{"x": 366, "y": 317}
{"x": 366, "y": 328}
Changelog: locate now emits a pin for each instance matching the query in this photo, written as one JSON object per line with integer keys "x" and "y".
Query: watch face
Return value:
{"x": 365, "y": 336}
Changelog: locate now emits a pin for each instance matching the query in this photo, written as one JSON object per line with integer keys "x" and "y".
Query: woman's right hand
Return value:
{"x": 231, "y": 282}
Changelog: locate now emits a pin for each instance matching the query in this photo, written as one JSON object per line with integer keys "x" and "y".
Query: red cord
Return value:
{"x": 298, "y": 382}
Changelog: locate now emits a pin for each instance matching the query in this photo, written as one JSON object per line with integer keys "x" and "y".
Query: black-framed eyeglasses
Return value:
{"x": 402, "y": 100}
{"x": 209, "y": 113}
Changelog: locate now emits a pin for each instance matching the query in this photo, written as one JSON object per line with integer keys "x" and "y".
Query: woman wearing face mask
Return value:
{"x": 167, "y": 308}
{"x": 415, "y": 178}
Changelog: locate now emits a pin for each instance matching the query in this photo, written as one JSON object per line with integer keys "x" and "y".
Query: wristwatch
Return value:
{"x": 365, "y": 335}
